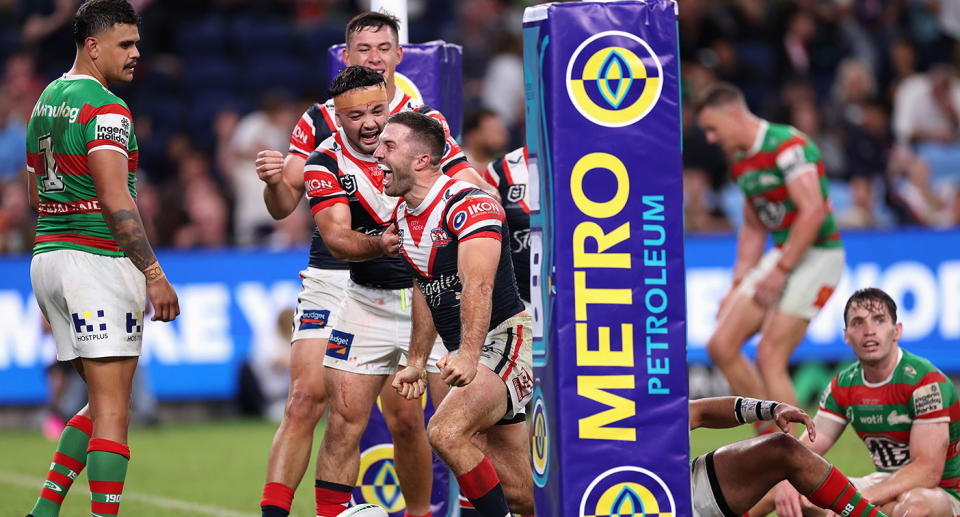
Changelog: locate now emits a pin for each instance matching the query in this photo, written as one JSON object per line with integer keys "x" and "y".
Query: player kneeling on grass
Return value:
{"x": 730, "y": 480}
{"x": 455, "y": 242}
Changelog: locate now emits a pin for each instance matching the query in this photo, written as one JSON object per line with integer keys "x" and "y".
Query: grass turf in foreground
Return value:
{"x": 221, "y": 467}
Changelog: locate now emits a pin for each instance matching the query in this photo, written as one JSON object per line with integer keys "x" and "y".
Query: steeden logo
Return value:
{"x": 614, "y": 78}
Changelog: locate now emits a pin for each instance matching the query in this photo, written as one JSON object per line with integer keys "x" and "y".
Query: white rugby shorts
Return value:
{"x": 508, "y": 352}
{"x": 874, "y": 478}
{"x": 705, "y": 495}
{"x": 94, "y": 303}
{"x": 372, "y": 333}
{"x": 808, "y": 286}
{"x": 320, "y": 293}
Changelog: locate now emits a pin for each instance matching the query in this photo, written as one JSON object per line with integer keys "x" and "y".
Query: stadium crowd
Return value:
{"x": 874, "y": 84}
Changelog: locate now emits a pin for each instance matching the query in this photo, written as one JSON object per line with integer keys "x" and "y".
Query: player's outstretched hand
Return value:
{"x": 270, "y": 166}
{"x": 410, "y": 382}
{"x": 457, "y": 369}
{"x": 390, "y": 241}
{"x": 160, "y": 293}
{"x": 785, "y": 413}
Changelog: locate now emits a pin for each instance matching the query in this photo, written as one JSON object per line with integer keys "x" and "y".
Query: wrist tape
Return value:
{"x": 752, "y": 410}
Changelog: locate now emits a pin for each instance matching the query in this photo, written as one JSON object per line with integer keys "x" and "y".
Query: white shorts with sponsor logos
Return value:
{"x": 320, "y": 293}
{"x": 705, "y": 495}
{"x": 372, "y": 333}
{"x": 95, "y": 304}
{"x": 809, "y": 285}
{"x": 508, "y": 352}
{"x": 876, "y": 477}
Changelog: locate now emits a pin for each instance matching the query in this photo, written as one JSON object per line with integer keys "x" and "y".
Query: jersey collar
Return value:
{"x": 758, "y": 142}
{"x": 398, "y": 100}
{"x": 889, "y": 377}
{"x": 75, "y": 77}
{"x": 437, "y": 189}
{"x": 348, "y": 148}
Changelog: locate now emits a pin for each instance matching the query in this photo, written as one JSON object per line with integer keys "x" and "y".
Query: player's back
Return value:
{"x": 74, "y": 116}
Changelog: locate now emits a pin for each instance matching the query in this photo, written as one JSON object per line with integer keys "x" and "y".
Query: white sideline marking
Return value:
{"x": 10, "y": 478}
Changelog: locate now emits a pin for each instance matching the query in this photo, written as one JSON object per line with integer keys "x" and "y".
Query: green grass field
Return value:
{"x": 218, "y": 468}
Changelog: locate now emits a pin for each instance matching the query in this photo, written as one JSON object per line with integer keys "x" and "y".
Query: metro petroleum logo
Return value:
{"x": 377, "y": 482}
{"x": 614, "y": 78}
{"x": 627, "y": 491}
{"x": 540, "y": 441}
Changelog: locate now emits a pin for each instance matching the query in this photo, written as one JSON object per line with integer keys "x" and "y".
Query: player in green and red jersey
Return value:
{"x": 92, "y": 267}
{"x": 778, "y": 292}
{"x": 903, "y": 408}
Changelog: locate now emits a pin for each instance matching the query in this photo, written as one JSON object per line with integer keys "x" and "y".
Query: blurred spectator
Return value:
{"x": 925, "y": 107}
{"x": 854, "y": 85}
{"x": 267, "y": 128}
{"x": 805, "y": 117}
{"x": 868, "y": 144}
{"x": 16, "y": 220}
{"x": 701, "y": 208}
{"x": 13, "y": 134}
{"x": 503, "y": 84}
{"x": 484, "y": 137}
{"x": 913, "y": 188}
{"x": 861, "y": 212}
{"x": 21, "y": 84}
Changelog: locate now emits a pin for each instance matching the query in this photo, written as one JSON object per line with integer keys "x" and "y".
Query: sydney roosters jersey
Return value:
{"x": 337, "y": 173}
{"x": 452, "y": 212}
{"x": 511, "y": 177}
{"x": 320, "y": 121}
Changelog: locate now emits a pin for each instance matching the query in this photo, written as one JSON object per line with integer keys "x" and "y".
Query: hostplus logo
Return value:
{"x": 89, "y": 325}
{"x": 614, "y": 79}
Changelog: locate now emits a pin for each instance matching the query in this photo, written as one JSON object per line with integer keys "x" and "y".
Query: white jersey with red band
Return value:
{"x": 337, "y": 173}
{"x": 452, "y": 212}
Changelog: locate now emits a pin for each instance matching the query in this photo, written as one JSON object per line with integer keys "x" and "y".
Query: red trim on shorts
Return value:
{"x": 516, "y": 352}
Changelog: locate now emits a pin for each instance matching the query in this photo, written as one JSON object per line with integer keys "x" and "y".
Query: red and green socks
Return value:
{"x": 482, "y": 487}
{"x": 332, "y": 498}
{"x": 69, "y": 460}
{"x": 836, "y": 493}
{"x": 276, "y": 501}
{"x": 106, "y": 469}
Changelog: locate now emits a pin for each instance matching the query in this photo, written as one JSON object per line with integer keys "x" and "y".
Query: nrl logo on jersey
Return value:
{"x": 515, "y": 193}
{"x": 349, "y": 184}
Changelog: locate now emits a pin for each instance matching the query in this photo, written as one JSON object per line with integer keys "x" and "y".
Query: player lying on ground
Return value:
{"x": 730, "y": 480}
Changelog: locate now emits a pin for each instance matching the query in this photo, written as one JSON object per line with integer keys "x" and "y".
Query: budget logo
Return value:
{"x": 312, "y": 319}
{"x": 338, "y": 346}
{"x": 627, "y": 491}
{"x": 614, "y": 78}
{"x": 377, "y": 482}
{"x": 540, "y": 441}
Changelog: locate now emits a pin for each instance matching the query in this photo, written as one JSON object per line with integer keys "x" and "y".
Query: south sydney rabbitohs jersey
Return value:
{"x": 337, "y": 173}
{"x": 779, "y": 153}
{"x": 883, "y": 414}
{"x": 319, "y": 122}
{"x": 75, "y": 116}
{"x": 511, "y": 176}
{"x": 452, "y": 212}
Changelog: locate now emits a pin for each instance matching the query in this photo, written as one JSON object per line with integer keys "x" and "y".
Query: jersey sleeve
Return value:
{"x": 108, "y": 127}
{"x": 320, "y": 180}
{"x": 314, "y": 126}
{"x": 931, "y": 399}
{"x": 474, "y": 215}
{"x": 792, "y": 159}
{"x": 453, "y": 160}
{"x": 829, "y": 407}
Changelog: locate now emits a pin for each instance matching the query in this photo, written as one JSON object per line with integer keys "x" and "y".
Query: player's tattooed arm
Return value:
{"x": 127, "y": 228}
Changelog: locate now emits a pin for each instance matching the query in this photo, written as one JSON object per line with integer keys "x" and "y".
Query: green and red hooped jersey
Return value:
{"x": 780, "y": 153}
{"x": 75, "y": 116}
{"x": 883, "y": 414}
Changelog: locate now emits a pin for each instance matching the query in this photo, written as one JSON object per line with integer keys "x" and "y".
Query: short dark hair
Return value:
{"x": 869, "y": 297}
{"x": 474, "y": 119}
{"x": 96, "y": 16}
{"x": 353, "y": 77}
{"x": 719, "y": 94}
{"x": 374, "y": 19}
{"x": 426, "y": 130}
